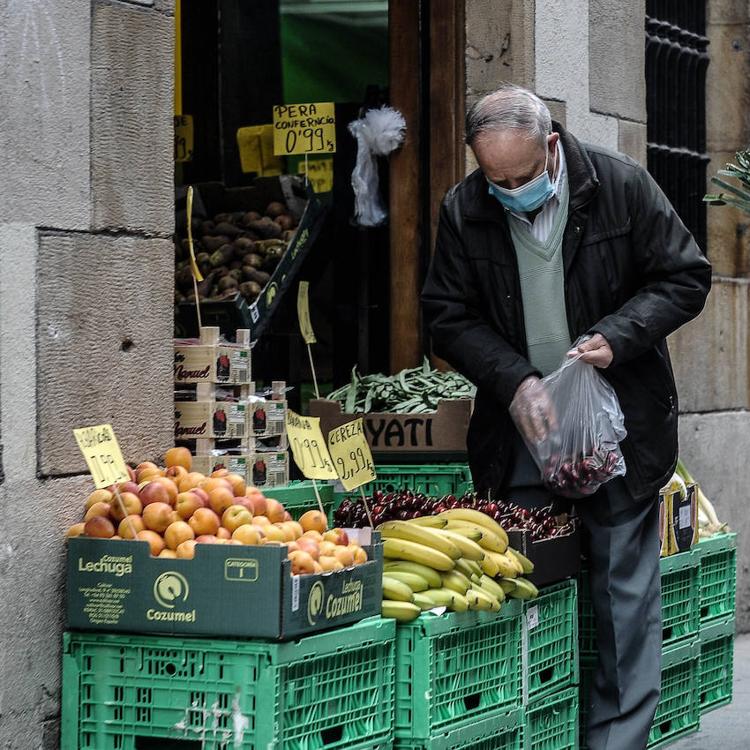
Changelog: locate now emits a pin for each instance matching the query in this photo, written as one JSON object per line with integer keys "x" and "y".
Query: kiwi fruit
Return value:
{"x": 275, "y": 208}
{"x": 214, "y": 243}
{"x": 227, "y": 282}
{"x": 285, "y": 222}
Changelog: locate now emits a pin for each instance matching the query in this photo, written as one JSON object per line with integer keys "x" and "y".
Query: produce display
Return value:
{"x": 174, "y": 508}
{"x": 581, "y": 475}
{"x": 414, "y": 391}
{"x": 708, "y": 522}
{"x": 405, "y": 505}
{"x": 235, "y": 252}
{"x": 459, "y": 560}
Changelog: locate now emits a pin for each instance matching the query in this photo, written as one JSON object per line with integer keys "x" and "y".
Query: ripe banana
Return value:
{"x": 456, "y": 581}
{"x": 506, "y": 566}
{"x": 527, "y": 567}
{"x": 489, "y": 566}
{"x": 423, "y": 602}
{"x": 396, "y": 590}
{"x": 402, "y": 549}
{"x": 489, "y": 539}
{"x": 440, "y": 597}
{"x": 420, "y": 535}
{"x": 480, "y": 599}
{"x": 460, "y": 603}
{"x": 412, "y": 580}
{"x": 469, "y": 550}
{"x": 492, "y": 587}
{"x": 466, "y": 567}
{"x": 401, "y": 611}
{"x": 524, "y": 590}
{"x": 508, "y": 585}
{"x": 477, "y": 517}
{"x": 402, "y": 566}
{"x": 432, "y": 521}
{"x": 470, "y": 532}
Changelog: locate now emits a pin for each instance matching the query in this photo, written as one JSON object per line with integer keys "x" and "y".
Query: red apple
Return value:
{"x": 128, "y": 524}
{"x": 204, "y": 521}
{"x": 128, "y": 487}
{"x": 187, "y": 503}
{"x": 177, "y": 533}
{"x": 200, "y": 493}
{"x": 130, "y": 502}
{"x": 154, "y": 492}
{"x": 157, "y": 516}
{"x": 99, "y": 526}
{"x": 206, "y": 539}
{"x": 98, "y": 509}
{"x": 223, "y": 533}
{"x": 186, "y": 550}
{"x": 155, "y": 542}
{"x": 220, "y": 498}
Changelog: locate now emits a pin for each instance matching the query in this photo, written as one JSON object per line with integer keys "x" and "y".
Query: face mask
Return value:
{"x": 528, "y": 197}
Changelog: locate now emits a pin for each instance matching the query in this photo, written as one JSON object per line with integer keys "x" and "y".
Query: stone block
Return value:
{"x": 714, "y": 448}
{"x": 104, "y": 344}
{"x": 44, "y": 116}
{"x": 131, "y": 129}
{"x": 727, "y": 88}
{"x": 617, "y": 73}
{"x": 727, "y": 11}
{"x": 631, "y": 140}
{"x": 710, "y": 354}
{"x": 558, "y": 110}
{"x": 728, "y": 228}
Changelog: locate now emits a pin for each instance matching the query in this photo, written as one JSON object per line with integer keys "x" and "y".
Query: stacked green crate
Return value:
{"x": 455, "y": 670}
{"x": 718, "y": 588}
{"x": 551, "y": 668}
{"x": 332, "y": 690}
{"x": 299, "y": 497}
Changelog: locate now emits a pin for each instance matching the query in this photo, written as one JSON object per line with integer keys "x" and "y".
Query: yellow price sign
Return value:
{"x": 303, "y": 313}
{"x": 304, "y": 129}
{"x": 351, "y": 454}
{"x": 309, "y": 446}
{"x": 319, "y": 172}
{"x": 102, "y": 453}
{"x": 183, "y": 138}
{"x": 255, "y": 144}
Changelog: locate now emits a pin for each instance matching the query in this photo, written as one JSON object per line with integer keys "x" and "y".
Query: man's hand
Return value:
{"x": 532, "y": 410}
{"x": 596, "y": 351}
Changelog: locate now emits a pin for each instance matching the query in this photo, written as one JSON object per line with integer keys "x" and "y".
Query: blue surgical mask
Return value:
{"x": 528, "y": 197}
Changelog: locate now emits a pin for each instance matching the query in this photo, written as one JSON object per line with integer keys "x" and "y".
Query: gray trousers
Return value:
{"x": 626, "y": 593}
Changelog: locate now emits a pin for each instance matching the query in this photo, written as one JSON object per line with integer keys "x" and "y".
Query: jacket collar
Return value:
{"x": 582, "y": 181}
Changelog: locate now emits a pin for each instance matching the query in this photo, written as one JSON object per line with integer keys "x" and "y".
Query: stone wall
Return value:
{"x": 85, "y": 299}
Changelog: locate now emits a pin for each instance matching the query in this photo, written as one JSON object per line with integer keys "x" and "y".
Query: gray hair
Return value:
{"x": 509, "y": 107}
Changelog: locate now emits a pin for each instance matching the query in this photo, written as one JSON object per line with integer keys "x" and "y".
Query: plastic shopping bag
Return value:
{"x": 580, "y": 451}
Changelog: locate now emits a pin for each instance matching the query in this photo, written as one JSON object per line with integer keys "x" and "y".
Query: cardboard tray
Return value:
{"x": 237, "y": 591}
{"x": 234, "y": 313}
{"x": 409, "y": 435}
{"x": 554, "y": 559}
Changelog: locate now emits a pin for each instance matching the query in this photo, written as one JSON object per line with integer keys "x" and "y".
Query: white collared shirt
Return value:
{"x": 543, "y": 221}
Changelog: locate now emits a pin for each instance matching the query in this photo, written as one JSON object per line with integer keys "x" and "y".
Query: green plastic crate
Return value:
{"x": 332, "y": 690}
{"x": 434, "y": 480}
{"x": 718, "y": 577}
{"x": 678, "y": 712}
{"x": 500, "y": 731}
{"x": 679, "y": 603}
{"x": 551, "y": 635}
{"x": 455, "y": 668}
{"x": 552, "y": 722}
{"x": 717, "y": 664}
{"x": 299, "y": 497}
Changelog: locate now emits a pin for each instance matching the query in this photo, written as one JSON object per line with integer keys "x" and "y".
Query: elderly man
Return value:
{"x": 549, "y": 240}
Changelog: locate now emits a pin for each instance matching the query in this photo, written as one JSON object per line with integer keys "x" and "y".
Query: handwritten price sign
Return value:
{"x": 304, "y": 129}
{"x": 102, "y": 453}
{"x": 351, "y": 454}
{"x": 309, "y": 447}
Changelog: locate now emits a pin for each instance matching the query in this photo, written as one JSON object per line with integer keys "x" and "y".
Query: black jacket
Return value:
{"x": 632, "y": 273}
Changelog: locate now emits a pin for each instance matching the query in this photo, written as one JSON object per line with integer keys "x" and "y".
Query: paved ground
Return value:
{"x": 727, "y": 728}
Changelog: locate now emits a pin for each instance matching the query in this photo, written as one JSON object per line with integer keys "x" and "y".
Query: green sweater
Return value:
{"x": 540, "y": 266}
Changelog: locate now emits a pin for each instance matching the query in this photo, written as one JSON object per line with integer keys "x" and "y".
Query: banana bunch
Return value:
{"x": 459, "y": 560}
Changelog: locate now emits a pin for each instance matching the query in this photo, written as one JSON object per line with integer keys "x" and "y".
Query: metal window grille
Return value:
{"x": 676, "y": 63}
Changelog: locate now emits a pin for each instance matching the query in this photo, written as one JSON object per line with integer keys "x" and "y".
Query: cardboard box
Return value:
{"x": 261, "y": 468}
{"x": 683, "y": 520}
{"x": 266, "y": 418}
{"x": 239, "y": 591}
{"x": 208, "y": 360}
{"x": 390, "y": 435}
{"x": 214, "y": 419}
{"x": 554, "y": 559}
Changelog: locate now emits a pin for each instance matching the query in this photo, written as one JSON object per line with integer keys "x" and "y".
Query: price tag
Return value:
{"x": 183, "y": 138}
{"x": 320, "y": 174}
{"x": 303, "y": 313}
{"x": 304, "y": 129}
{"x": 309, "y": 446}
{"x": 102, "y": 453}
{"x": 532, "y": 617}
{"x": 351, "y": 454}
{"x": 255, "y": 144}
{"x": 686, "y": 517}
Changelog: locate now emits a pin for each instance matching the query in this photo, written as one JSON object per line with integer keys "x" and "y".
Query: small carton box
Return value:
{"x": 683, "y": 520}
{"x": 240, "y": 591}
{"x": 554, "y": 559}
{"x": 389, "y": 435}
{"x": 208, "y": 360}
{"x": 266, "y": 418}
{"x": 260, "y": 468}
{"x": 212, "y": 419}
